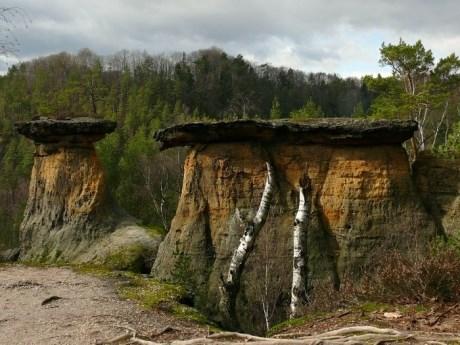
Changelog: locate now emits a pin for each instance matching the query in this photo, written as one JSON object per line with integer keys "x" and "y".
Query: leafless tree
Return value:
{"x": 10, "y": 19}
{"x": 162, "y": 176}
{"x": 270, "y": 288}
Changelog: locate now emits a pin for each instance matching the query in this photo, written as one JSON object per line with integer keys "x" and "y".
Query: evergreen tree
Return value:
{"x": 275, "y": 111}
{"x": 308, "y": 111}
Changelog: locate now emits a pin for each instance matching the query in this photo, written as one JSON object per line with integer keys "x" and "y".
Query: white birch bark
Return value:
{"x": 444, "y": 113}
{"x": 229, "y": 285}
{"x": 299, "y": 253}
{"x": 251, "y": 230}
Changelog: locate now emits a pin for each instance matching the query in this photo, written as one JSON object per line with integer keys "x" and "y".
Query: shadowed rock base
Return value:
{"x": 438, "y": 180}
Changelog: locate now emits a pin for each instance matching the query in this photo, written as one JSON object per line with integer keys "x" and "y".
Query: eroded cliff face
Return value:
{"x": 363, "y": 202}
{"x": 67, "y": 206}
{"x": 70, "y": 216}
{"x": 438, "y": 180}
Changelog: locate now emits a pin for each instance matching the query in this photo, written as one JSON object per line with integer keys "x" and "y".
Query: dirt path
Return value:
{"x": 88, "y": 309}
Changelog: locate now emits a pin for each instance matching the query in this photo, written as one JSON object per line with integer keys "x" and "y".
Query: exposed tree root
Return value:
{"x": 344, "y": 336}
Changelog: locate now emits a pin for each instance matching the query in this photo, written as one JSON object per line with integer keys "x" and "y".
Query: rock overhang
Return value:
{"x": 46, "y": 130}
{"x": 333, "y": 131}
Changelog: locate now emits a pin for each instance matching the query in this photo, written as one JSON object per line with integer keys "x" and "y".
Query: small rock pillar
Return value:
{"x": 68, "y": 206}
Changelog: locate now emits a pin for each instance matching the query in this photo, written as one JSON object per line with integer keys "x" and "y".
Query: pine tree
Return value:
{"x": 275, "y": 111}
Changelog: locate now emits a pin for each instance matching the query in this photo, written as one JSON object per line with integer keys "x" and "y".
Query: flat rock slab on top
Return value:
{"x": 314, "y": 131}
{"x": 50, "y": 130}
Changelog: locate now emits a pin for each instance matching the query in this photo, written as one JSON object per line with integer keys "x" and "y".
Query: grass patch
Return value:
{"x": 151, "y": 293}
{"x": 282, "y": 326}
{"x": 413, "y": 308}
{"x": 155, "y": 231}
{"x": 188, "y": 313}
{"x": 370, "y": 307}
{"x": 288, "y": 324}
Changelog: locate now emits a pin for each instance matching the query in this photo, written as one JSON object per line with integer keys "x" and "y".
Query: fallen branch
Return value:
{"x": 344, "y": 336}
{"x": 440, "y": 316}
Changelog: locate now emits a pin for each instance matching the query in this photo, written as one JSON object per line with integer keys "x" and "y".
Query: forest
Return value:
{"x": 145, "y": 93}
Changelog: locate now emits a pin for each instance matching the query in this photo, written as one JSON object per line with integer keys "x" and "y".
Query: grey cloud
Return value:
{"x": 308, "y": 34}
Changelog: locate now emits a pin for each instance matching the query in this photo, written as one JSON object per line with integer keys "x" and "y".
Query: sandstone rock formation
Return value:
{"x": 363, "y": 201}
{"x": 70, "y": 216}
{"x": 438, "y": 180}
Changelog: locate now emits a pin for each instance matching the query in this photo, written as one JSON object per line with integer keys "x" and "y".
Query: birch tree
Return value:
{"x": 230, "y": 283}
{"x": 298, "y": 291}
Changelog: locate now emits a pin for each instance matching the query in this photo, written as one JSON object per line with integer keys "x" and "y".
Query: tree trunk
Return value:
{"x": 230, "y": 285}
{"x": 298, "y": 292}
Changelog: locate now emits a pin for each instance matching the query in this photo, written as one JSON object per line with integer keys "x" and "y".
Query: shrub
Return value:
{"x": 433, "y": 275}
{"x": 423, "y": 276}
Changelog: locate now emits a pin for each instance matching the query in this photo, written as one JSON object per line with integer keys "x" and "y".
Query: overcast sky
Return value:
{"x": 341, "y": 36}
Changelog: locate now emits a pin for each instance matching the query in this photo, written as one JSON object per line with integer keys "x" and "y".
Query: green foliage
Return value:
{"x": 109, "y": 151}
{"x": 132, "y": 164}
{"x": 151, "y": 293}
{"x": 308, "y": 111}
{"x": 285, "y": 325}
{"x": 390, "y": 103}
{"x": 275, "y": 111}
{"x": 144, "y": 93}
{"x": 406, "y": 58}
{"x": 188, "y": 313}
{"x": 15, "y": 169}
{"x": 451, "y": 148}
{"x": 358, "y": 111}
{"x": 127, "y": 259}
{"x": 418, "y": 89}
{"x": 371, "y": 307}
{"x": 182, "y": 274}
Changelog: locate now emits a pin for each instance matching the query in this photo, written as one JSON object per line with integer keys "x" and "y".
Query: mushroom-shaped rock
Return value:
{"x": 362, "y": 202}
{"x": 314, "y": 131}
{"x": 70, "y": 216}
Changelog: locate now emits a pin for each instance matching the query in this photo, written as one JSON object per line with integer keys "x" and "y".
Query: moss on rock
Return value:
{"x": 127, "y": 259}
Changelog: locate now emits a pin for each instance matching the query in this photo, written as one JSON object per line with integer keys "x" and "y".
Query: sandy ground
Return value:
{"x": 88, "y": 309}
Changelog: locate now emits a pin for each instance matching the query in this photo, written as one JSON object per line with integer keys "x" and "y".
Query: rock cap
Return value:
{"x": 334, "y": 131}
{"x": 46, "y": 130}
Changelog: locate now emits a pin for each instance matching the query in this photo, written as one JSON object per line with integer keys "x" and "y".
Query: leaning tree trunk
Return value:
{"x": 230, "y": 284}
{"x": 298, "y": 292}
